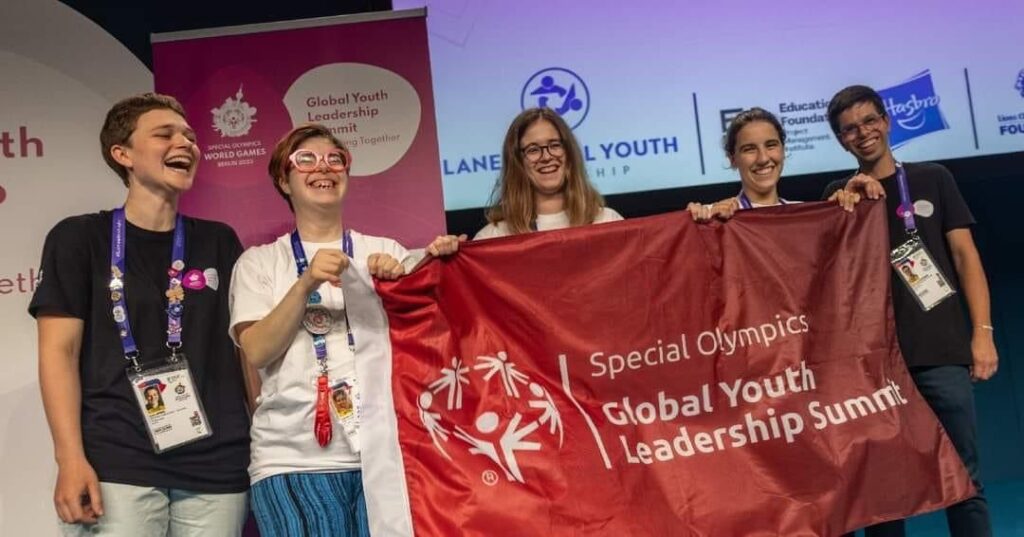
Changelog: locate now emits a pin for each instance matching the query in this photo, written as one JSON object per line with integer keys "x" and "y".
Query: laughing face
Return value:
{"x": 161, "y": 154}
{"x": 864, "y": 132}
{"x": 544, "y": 157}
{"x": 759, "y": 157}
{"x": 322, "y": 187}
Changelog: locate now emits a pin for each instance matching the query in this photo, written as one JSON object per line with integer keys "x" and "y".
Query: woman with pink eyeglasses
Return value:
{"x": 294, "y": 305}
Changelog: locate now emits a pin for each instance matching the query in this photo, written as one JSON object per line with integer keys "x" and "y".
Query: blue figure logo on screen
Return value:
{"x": 560, "y": 90}
{"x": 914, "y": 109}
{"x": 1019, "y": 86}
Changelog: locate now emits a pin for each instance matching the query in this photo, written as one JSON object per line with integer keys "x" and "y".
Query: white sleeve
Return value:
{"x": 489, "y": 231}
{"x": 608, "y": 215}
{"x": 396, "y": 250}
{"x": 252, "y": 291}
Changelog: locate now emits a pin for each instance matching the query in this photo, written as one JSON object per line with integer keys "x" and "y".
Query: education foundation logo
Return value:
{"x": 514, "y": 416}
{"x": 805, "y": 122}
{"x": 235, "y": 117}
{"x": 914, "y": 109}
{"x": 559, "y": 89}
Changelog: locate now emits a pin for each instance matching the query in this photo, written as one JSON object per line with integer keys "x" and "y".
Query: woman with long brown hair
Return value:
{"x": 543, "y": 183}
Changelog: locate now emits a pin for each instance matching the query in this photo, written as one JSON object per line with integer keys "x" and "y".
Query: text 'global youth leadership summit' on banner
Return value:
{"x": 653, "y": 377}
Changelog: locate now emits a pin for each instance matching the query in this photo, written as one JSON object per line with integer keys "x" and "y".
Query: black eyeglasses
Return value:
{"x": 852, "y": 130}
{"x": 533, "y": 152}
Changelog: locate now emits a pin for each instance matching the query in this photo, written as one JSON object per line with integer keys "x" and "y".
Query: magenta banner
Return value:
{"x": 366, "y": 77}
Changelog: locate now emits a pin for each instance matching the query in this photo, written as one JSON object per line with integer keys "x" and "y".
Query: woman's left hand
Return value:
{"x": 385, "y": 267}
{"x": 445, "y": 245}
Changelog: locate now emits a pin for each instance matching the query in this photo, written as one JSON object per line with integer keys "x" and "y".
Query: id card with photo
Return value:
{"x": 345, "y": 403}
{"x": 170, "y": 406}
{"x": 918, "y": 271}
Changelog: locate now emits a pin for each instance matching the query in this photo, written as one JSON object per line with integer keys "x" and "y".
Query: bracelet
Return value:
{"x": 987, "y": 327}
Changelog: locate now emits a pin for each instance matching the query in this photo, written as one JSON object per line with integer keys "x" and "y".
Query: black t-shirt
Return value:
{"x": 75, "y": 278}
{"x": 938, "y": 336}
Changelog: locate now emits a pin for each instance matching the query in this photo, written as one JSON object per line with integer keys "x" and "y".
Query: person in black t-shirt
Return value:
{"x": 110, "y": 479}
{"x": 942, "y": 355}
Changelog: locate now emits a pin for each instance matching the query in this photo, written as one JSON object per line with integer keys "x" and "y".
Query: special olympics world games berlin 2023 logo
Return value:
{"x": 235, "y": 117}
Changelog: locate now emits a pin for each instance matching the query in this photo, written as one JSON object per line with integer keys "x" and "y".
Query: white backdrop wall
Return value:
{"x": 59, "y": 73}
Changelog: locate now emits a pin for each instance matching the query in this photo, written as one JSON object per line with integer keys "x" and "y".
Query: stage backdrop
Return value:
{"x": 54, "y": 93}
{"x": 650, "y": 85}
{"x": 652, "y": 377}
{"x": 244, "y": 87}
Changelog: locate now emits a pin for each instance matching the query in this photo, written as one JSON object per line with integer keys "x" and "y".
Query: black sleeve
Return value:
{"x": 64, "y": 272}
{"x": 232, "y": 246}
{"x": 232, "y": 250}
{"x": 832, "y": 187}
{"x": 955, "y": 213}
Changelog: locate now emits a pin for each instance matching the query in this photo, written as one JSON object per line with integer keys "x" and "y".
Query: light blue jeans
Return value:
{"x": 158, "y": 512}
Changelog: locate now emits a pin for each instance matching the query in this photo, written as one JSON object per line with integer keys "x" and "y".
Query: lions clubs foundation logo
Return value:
{"x": 511, "y": 413}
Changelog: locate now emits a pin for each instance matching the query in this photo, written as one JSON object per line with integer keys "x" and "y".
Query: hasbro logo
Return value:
{"x": 560, "y": 90}
{"x": 914, "y": 109}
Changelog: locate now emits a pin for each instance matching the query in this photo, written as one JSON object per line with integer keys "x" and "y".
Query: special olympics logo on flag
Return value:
{"x": 534, "y": 415}
{"x": 914, "y": 109}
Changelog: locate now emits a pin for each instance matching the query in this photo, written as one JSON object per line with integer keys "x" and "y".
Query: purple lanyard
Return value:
{"x": 906, "y": 209}
{"x": 746, "y": 204}
{"x": 175, "y": 293}
{"x": 301, "y": 264}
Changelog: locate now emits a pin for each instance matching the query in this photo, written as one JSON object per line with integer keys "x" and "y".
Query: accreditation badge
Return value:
{"x": 918, "y": 271}
{"x": 170, "y": 406}
{"x": 345, "y": 400}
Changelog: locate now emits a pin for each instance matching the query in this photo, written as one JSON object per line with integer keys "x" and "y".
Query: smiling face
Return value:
{"x": 320, "y": 188}
{"x": 152, "y": 397}
{"x": 864, "y": 132}
{"x": 161, "y": 153}
{"x": 546, "y": 169}
{"x": 759, "y": 156}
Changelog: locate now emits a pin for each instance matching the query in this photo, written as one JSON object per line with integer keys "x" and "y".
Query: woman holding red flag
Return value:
{"x": 543, "y": 183}
{"x": 755, "y": 144}
{"x": 294, "y": 307}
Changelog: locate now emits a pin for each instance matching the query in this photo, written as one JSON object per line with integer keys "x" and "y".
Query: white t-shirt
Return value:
{"x": 282, "y": 424}
{"x": 781, "y": 202}
{"x": 545, "y": 222}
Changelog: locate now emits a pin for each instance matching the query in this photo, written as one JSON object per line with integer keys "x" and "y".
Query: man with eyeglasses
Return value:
{"x": 929, "y": 223}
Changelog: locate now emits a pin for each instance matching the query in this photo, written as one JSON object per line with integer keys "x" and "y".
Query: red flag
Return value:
{"x": 658, "y": 377}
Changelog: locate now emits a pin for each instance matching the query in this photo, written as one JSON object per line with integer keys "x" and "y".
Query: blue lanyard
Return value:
{"x": 314, "y": 301}
{"x": 746, "y": 204}
{"x": 175, "y": 293}
{"x": 906, "y": 207}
